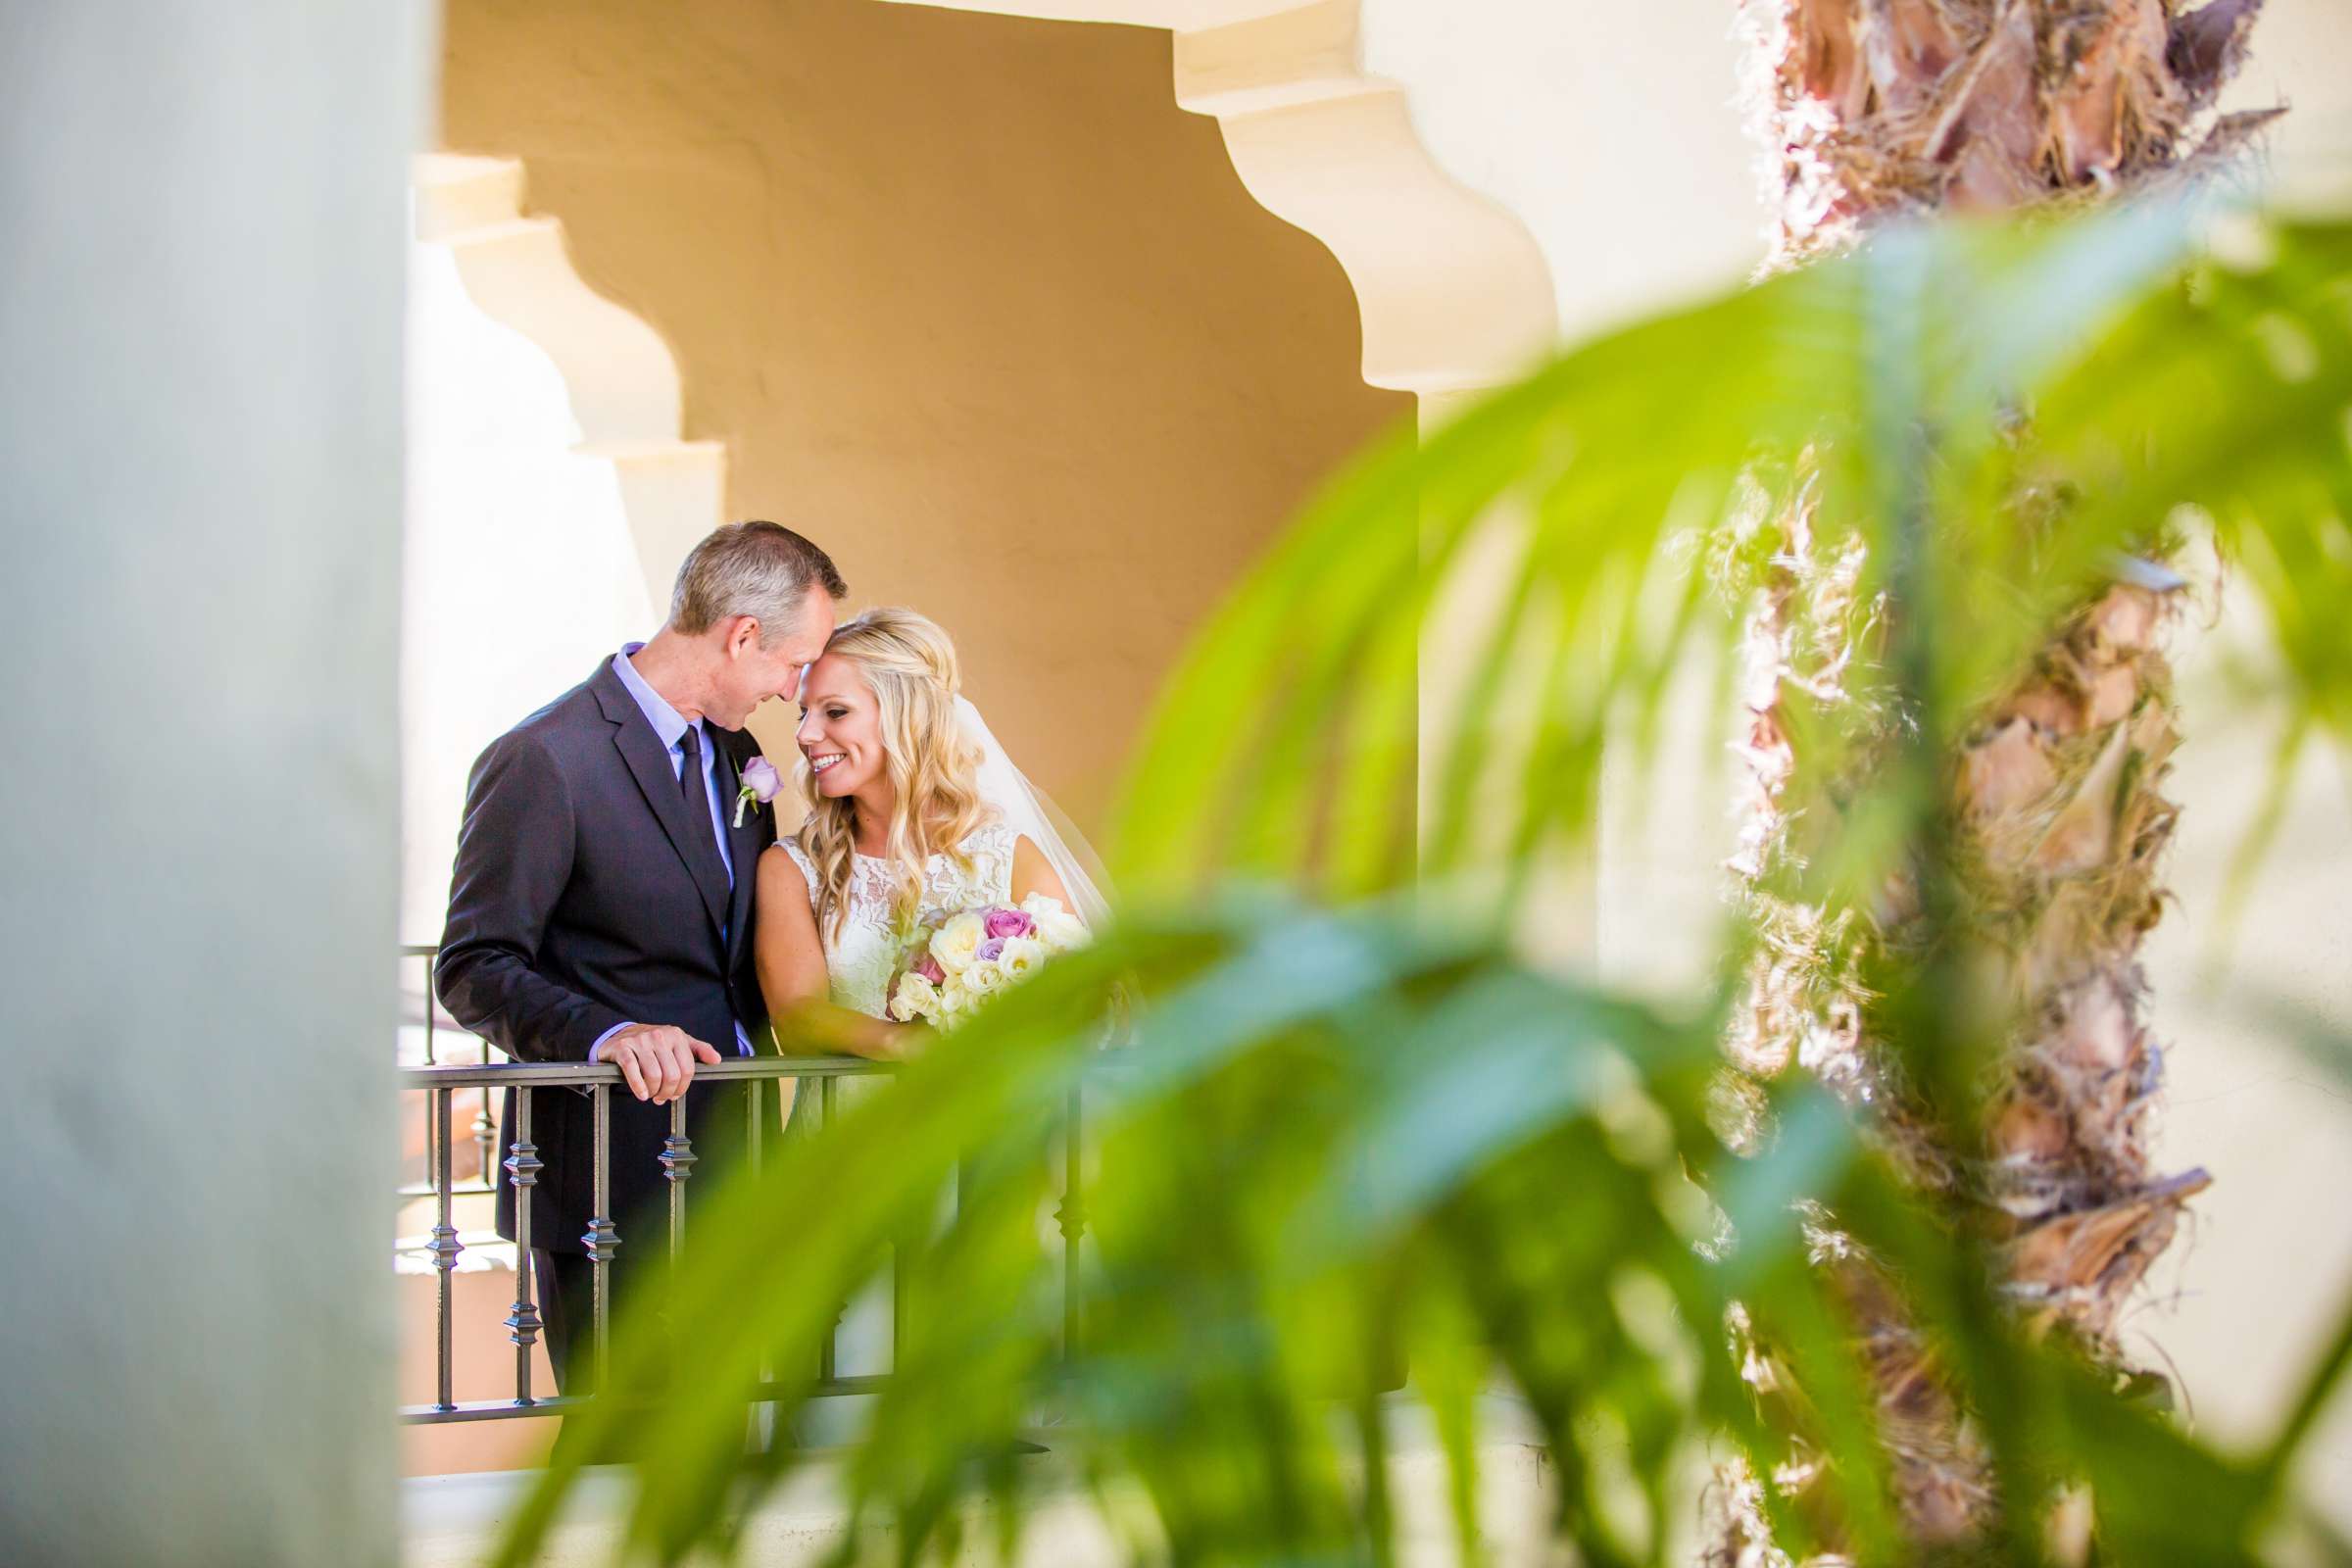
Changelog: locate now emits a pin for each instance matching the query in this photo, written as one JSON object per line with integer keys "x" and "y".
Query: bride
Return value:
{"x": 915, "y": 814}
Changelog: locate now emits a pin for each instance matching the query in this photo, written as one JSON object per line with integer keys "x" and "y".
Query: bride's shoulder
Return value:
{"x": 798, "y": 852}
{"x": 993, "y": 837}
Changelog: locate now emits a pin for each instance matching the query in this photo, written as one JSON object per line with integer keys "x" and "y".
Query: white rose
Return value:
{"x": 1020, "y": 957}
{"x": 1062, "y": 932}
{"x": 955, "y": 943}
{"x": 1042, "y": 905}
{"x": 955, "y": 999}
{"x": 917, "y": 997}
{"x": 982, "y": 978}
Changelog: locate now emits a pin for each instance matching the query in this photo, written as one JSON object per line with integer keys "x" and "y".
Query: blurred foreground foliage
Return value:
{"x": 1354, "y": 1153}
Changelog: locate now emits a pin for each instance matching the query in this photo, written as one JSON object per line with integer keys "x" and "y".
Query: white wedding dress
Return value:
{"x": 860, "y": 957}
{"x": 864, "y": 951}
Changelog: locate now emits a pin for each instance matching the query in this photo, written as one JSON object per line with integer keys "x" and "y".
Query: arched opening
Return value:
{"x": 519, "y": 563}
{"x": 520, "y": 570}
{"x": 966, "y": 298}
{"x": 969, "y": 300}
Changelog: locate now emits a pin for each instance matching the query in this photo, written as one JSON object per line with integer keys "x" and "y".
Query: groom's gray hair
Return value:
{"x": 760, "y": 570}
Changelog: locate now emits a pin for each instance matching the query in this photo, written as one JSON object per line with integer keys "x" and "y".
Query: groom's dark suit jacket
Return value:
{"x": 574, "y": 909}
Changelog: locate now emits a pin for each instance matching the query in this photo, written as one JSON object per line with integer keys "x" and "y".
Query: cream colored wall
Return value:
{"x": 1609, "y": 130}
{"x": 2270, "y": 1251}
{"x": 967, "y": 299}
{"x": 1560, "y": 131}
{"x": 2243, "y": 1303}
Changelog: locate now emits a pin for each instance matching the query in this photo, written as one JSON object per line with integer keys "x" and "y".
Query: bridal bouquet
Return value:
{"x": 950, "y": 972}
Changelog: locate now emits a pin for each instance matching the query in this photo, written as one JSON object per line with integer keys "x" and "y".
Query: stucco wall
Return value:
{"x": 969, "y": 300}
{"x": 1610, "y": 130}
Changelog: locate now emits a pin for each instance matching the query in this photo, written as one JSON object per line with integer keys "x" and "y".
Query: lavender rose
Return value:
{"x": 760, "y": 781}
{"x": 1010, "y": 923}
{"x": 990, "y": 951}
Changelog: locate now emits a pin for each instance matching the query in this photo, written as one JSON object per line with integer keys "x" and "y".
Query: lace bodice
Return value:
{"x": 865, "y": 953}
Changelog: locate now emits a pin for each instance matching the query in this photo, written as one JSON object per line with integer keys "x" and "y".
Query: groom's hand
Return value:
{"x": 656, "y": 1059}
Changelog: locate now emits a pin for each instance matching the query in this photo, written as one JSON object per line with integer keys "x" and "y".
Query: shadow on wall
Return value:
{"x": 967, "y": 299}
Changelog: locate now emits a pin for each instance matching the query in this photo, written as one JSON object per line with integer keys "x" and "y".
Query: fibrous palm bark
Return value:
{"x": 1878, "y": 109}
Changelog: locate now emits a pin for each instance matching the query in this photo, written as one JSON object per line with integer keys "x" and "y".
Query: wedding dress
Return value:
{"x": 866, "y": 948}
{"x": 863, "y": 952}
{"x": 861, "y": 956}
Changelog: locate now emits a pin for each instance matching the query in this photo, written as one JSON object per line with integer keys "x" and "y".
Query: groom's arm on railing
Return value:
{"x": 514, "y": 859}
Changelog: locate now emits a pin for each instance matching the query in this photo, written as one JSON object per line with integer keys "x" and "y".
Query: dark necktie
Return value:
{"x": 698, "y": 830}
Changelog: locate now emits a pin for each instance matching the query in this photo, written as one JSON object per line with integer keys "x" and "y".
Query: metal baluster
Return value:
{"x": 444, "y": 1247}
{"x": 522, "y": 1324}
{"x": 603, "y": 1237}
{"x": 764, "y": 1421}
{"x": 827, "y": 1357}
{"x": 1072, "y": 1216}
{"x": 486, "y": 1129}
{"x": 677, "y": 1164}
{"x": 431, "y": 1158}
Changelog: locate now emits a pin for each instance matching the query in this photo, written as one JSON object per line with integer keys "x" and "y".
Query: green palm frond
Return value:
{"x": 1354, "y": 1135}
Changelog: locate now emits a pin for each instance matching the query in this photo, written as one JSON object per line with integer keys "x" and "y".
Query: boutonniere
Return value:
{"x": 760, "y": 781}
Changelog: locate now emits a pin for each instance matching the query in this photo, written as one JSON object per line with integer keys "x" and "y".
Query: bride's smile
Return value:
{"x": 841, "y": 731}
{"x": 914, "y": 817}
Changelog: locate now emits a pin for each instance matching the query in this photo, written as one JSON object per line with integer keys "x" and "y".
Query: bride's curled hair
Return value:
{"x": 909, "y": 665}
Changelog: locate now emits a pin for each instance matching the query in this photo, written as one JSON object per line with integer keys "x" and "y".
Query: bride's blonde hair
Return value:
{"x": 909, "y": 665}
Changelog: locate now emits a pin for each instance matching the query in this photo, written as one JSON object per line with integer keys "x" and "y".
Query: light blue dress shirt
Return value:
{"x": 671, "y": 726}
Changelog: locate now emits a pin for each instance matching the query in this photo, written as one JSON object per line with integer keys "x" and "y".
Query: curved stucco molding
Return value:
{"x": 1453, "y": 292}
{"x": 622, "y": 378}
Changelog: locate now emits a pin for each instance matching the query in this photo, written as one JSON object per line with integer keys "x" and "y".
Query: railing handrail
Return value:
{"x": 538, "y": 1074}
{"x": 520, "y": 1166}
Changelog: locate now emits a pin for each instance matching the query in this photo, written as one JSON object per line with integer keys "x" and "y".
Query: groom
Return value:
{"x": 600, "y": 909}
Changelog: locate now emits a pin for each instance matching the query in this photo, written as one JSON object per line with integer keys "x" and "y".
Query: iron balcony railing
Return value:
{"x": 441, "y": 1082}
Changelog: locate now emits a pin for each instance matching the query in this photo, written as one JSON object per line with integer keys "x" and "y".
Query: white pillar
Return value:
{"x": 202, "y": 237}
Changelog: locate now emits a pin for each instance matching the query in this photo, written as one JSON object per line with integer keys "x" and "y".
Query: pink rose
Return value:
{"x": 1010, "y": 923}
{"x": 928, "y": 967}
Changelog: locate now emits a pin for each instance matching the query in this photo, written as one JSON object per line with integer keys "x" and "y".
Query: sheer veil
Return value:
{"x": 1029, "y": 812}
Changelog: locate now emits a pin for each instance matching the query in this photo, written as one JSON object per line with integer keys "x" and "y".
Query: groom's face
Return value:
{"x": 756, "y": 673}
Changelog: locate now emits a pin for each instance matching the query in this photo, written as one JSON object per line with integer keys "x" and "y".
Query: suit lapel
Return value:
{"x": 744, "y": 844}
{"x": 649, "y": 763}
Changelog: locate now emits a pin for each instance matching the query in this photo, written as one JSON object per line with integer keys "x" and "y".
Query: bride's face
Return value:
{"x": 841, "y": 731}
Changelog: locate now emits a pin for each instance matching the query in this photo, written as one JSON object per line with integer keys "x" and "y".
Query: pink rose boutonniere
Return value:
{"x": 760, "y": 781}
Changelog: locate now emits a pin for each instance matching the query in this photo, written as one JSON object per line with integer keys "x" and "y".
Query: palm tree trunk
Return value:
{"x": 1874, "y": 109}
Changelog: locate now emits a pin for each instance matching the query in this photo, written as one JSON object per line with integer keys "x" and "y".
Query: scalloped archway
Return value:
{"x": 621, "y": 377}
{"x": 1453, "y": 292}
